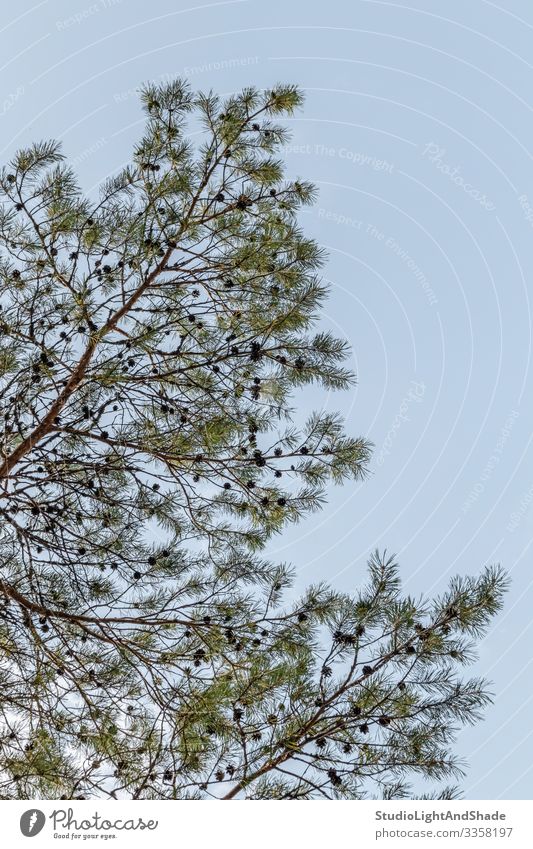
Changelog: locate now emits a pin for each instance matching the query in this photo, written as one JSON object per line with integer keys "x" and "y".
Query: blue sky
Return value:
{"x": 417, "y": 132}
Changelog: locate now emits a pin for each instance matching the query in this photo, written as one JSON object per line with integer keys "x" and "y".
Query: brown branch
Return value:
{"x": 46, "y": 424}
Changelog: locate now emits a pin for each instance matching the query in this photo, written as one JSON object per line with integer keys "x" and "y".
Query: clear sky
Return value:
{"x": 418, "y": 132}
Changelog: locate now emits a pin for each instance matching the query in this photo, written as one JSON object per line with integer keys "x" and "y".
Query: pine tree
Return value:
{"x": 152, "y": 342}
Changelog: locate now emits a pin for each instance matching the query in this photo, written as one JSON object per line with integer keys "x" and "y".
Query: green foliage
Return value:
{"x": 152, "y": 343}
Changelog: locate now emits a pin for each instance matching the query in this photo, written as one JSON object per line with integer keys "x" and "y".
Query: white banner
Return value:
{"x": 266, "y": 825}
